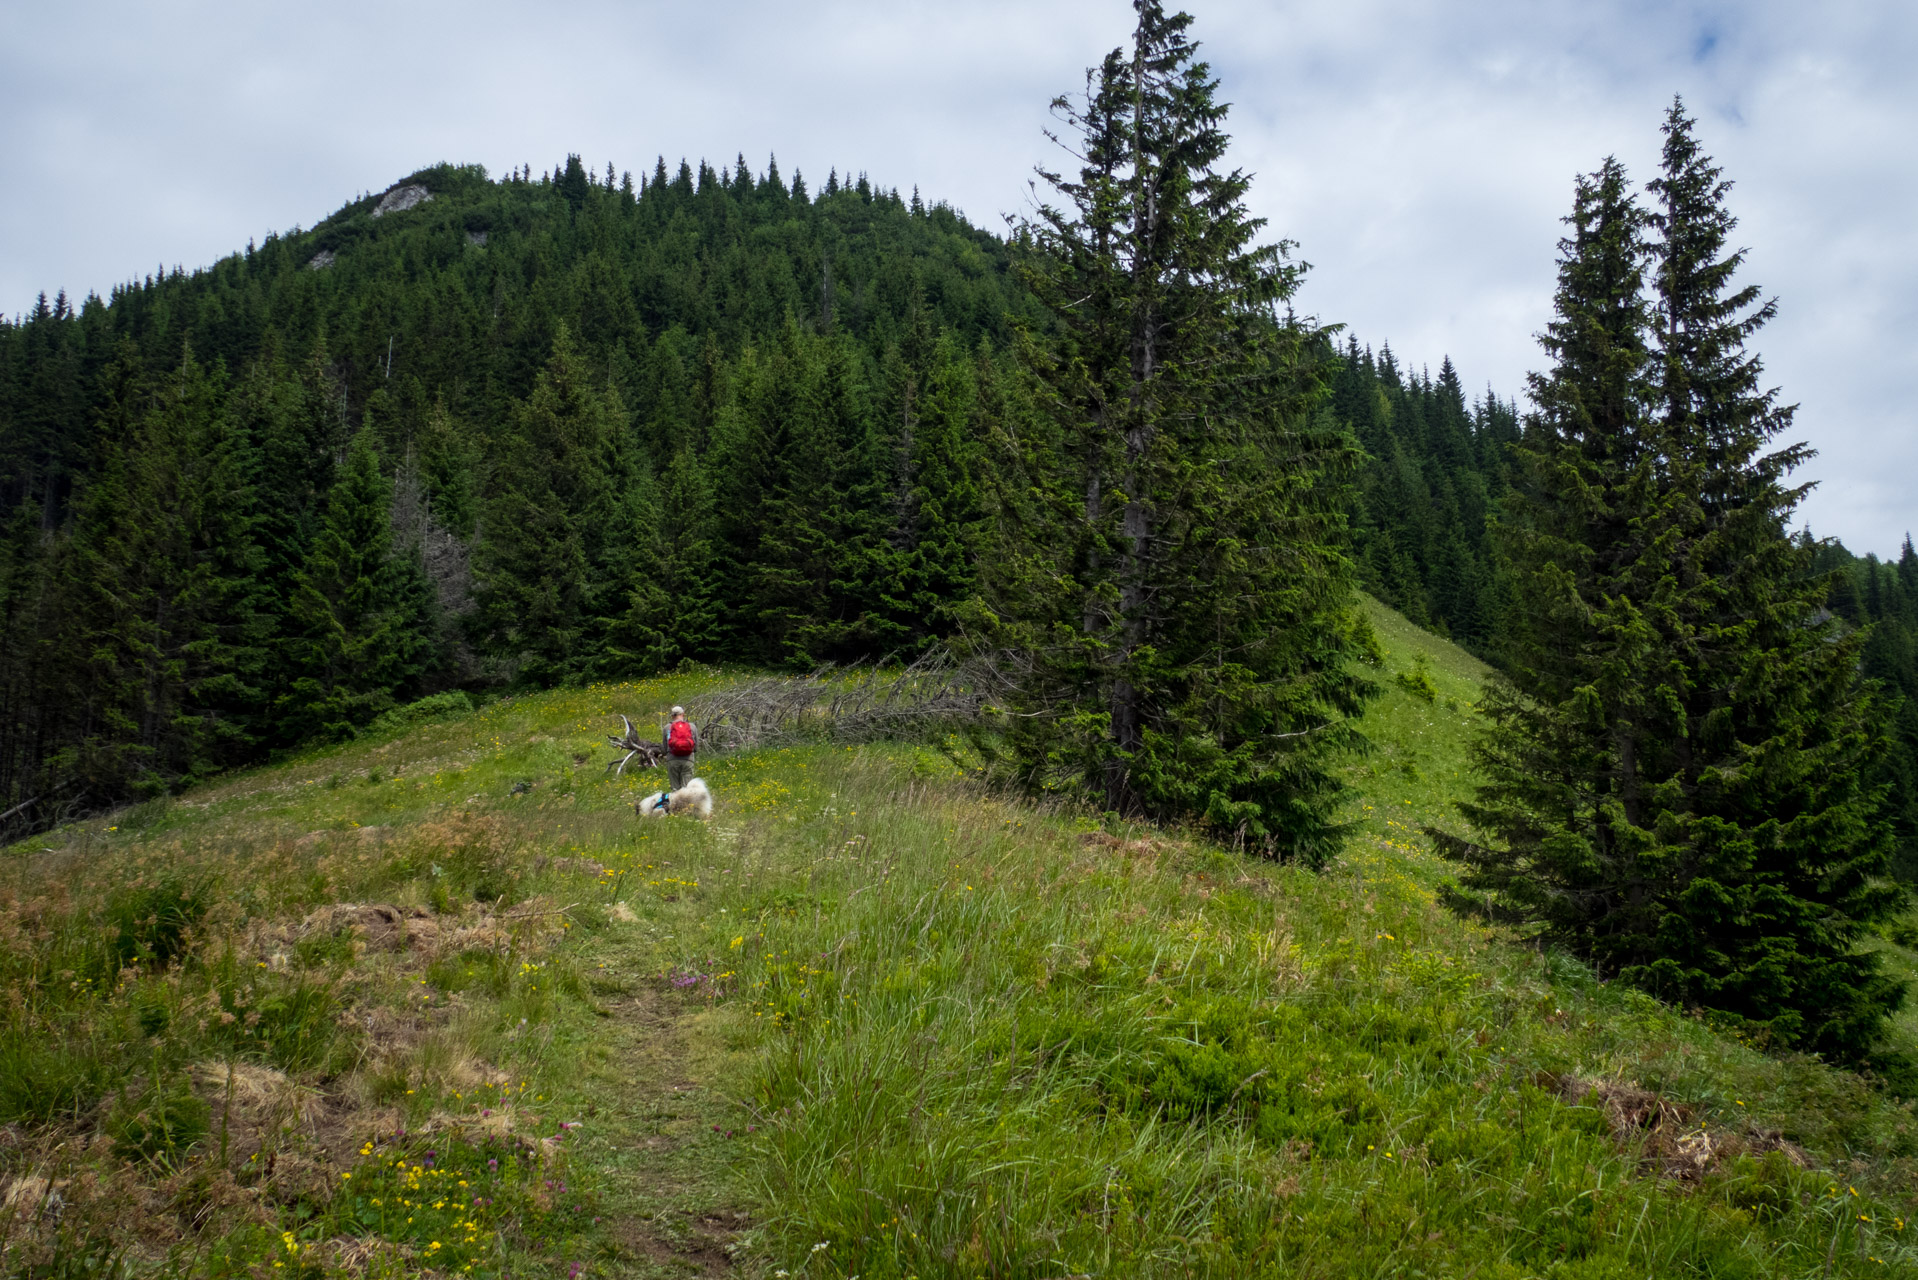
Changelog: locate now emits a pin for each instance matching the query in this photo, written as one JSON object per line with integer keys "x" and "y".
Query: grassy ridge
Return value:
{"x": 868, "y": 1021}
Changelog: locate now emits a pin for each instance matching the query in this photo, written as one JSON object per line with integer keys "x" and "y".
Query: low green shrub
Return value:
{"x": 482, "y": 970}
{"x": 151, "y": 923}
{"x": 1903, "y": 931}
{"x": 1418, "y": 681}
{"x": 161, "y": 1122}
{"x": 439, "y": 706}
{"x": 48, "y": 1072}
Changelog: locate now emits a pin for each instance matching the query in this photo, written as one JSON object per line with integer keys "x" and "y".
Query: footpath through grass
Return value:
{"x": 374, "y": 1012}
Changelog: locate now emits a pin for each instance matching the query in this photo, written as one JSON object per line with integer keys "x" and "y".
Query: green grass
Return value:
{"x": 869, "y": 1020}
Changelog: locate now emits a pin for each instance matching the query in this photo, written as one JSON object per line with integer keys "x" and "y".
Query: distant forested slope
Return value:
{"x": 1882, "y": 595}
{"x": 467, "y": 431}
{"x": 458, "y": 299}
{"x": 1436, "y": 472}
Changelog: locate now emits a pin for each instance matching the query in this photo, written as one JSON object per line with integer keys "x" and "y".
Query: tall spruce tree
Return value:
{"x": 1785, "y": 840}
{"x": 1579, "y": 536}
{"x": 545, "y": 580}
{"x": 1171, "y": 585}
{"x": 672, "y": 611}
{"x": 1672, "y": 768}
{"x": 941, "y": 515}
{"x": 166, "y": 586}
{"x": 363, "y": 636}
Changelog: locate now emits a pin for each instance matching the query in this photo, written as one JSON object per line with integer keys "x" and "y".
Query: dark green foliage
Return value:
{"x": 438, "y": 706}
{"x": 942, "y": 518}
{"x": 178, "y": 463}
{"x": 1881, "y": 599}
{"x": 823, "y": 579}
{"x": 1435, "y": 472}
{"x": 549, "y": 555}
{"x": 1679, "y": 765}
{"x": 572, "y": 182}
{"x": 38, "y": 672}
{"x": 672, "y": 604}
{"x": 360, "y": 627}
{"x": 164, "y": 584}
{"x": 1170, "y": 581}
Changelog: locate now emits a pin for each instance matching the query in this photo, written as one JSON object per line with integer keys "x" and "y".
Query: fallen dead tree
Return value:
{"x": 857, "y": 703}
{"x": 648, "y": 753}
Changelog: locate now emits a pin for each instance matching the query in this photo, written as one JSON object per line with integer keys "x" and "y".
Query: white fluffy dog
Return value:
{"x": 692, "y": 800}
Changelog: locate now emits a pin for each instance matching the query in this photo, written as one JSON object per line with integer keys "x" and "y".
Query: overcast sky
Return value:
{"x": 1421, "y": 154}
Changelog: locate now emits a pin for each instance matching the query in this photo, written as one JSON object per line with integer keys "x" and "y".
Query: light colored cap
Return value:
{"x": 679, "y": 711}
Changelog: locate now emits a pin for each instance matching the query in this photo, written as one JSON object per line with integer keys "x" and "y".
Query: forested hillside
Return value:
{"x": 1437, "y": 467}
{"x": 1882, "y": 596}
{"x": 690, "y": 303}
{"x": 466, "y": 432}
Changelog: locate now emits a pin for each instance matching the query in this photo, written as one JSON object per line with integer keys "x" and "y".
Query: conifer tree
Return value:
{"x": 1673, "y": 770}
{"x": 166, "y": 586}
{"x": 1566, "y": 826}
{"x": 683, "y": 559}
{"x": 362, "y": 638}
{"x": 448, "y": 463}
{"x": 572, "y": 183}
{"x": 1785, "y": 843}
{"x": 291, "y": 419}
{"x": 671, "y": 611}
{"x": 545, "y": 582}
{"x": 944, "y": 514}
{"x": 1172, "y": 589}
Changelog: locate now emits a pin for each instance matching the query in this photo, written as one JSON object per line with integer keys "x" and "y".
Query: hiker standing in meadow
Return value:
{"x": 681, "y": 741}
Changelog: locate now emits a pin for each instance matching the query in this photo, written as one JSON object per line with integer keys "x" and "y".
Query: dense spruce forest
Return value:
{"x": 1881, "y": 598}
{"x": 1435, "y": 471}
{"x": 470, "y": 432}
{"x": 683, "y": 321}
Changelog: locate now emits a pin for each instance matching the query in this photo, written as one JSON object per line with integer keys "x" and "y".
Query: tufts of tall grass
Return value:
{"x": 970, "y": 1038}
{"x": 999, "y": 1042}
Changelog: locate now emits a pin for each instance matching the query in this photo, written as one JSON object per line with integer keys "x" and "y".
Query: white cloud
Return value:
{"x": 1421, "y": 154}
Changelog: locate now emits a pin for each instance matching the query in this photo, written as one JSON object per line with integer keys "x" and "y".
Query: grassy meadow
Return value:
{"x": 435, "y": 1002}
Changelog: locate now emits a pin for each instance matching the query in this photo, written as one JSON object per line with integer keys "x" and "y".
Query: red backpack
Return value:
{"x": 679, "y": 738}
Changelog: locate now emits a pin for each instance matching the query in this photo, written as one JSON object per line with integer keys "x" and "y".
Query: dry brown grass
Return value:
{"x": 1667, "y": 1136}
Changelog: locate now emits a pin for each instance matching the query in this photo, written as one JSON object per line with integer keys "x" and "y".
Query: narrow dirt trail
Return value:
{"x": 656, "y": 1123}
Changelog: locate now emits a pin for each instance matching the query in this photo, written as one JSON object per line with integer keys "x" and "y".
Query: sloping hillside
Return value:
{"x": 437, "y": 1001}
